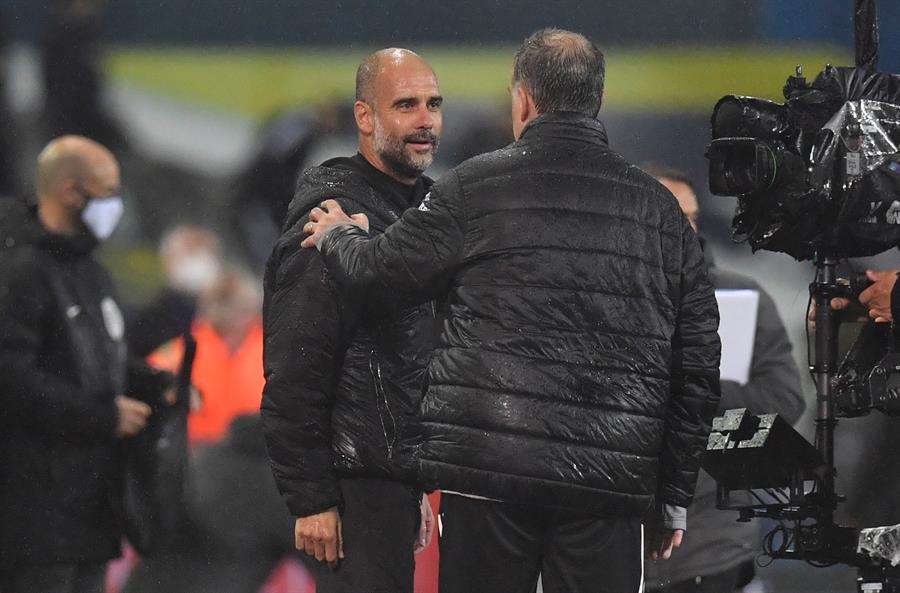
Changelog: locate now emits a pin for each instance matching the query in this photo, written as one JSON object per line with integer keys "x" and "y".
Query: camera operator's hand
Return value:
{"x": 132, "y": 414}
{"x": 877, "y": 298}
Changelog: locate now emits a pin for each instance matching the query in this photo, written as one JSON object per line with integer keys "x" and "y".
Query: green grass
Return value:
{"x": 254, "y": 82}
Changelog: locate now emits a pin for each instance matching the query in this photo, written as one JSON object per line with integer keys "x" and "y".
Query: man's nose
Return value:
{"x": 425, "y": 118}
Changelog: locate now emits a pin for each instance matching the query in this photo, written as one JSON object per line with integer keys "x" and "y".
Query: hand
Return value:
{"x": 327, "y": 215}
{"x": 664, "y": 542}
{"x": 877, "y": 298}
{"x": 132, "y": 414}
{"x": 319, "y": 535}
{"x": 426, "y": 527}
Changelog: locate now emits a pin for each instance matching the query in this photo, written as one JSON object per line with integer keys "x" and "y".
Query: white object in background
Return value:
{"x": 737, "y": 330}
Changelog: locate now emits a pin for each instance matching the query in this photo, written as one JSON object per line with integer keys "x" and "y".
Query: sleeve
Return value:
{"x": 416, "y": 255}
{"x": 305, "y": 322}
{"x": 33, "y": 397}
{"x": 774, "y": 384}
{"x": 694, "y": 387}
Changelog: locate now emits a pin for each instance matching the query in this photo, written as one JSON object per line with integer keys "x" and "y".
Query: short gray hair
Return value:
{"x": 562, "y": 71}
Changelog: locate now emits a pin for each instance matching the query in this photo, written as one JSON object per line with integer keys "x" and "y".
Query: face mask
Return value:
{"x": 102, "y": 215}
{"x": 195, "y": 272}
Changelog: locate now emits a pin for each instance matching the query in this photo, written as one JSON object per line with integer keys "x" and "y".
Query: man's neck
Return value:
{"x": 376, "y": 161}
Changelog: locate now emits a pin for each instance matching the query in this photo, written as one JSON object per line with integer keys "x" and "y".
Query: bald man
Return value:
{"x": 344, "y": 373}
{"x": 64, "y": 375}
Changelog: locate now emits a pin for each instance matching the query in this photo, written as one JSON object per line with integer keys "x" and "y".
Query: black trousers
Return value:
{"x": 727, "y": 581}
{"x": 493, "y": 547}
{"x": 380, "y": 523}
{"x": 66, "y": 577}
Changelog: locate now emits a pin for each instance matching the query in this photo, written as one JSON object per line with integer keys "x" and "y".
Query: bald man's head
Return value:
{"x": 76, "y": 160}
{"x": 379, "y": 62}
{"x": 72, "y": 171}
{"x": 398, "y": 112}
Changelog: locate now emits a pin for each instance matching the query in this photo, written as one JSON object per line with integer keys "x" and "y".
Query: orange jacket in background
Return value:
{"x": 231, "y": 384}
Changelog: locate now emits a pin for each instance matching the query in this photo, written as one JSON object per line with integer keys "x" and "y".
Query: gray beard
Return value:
{"x": 393, "y": 154}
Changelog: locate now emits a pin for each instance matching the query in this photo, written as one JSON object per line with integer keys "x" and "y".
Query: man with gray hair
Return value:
{"x": 573, "y": 384}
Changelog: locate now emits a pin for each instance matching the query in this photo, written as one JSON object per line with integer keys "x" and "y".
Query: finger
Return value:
{"x": 677, "y": 538}
{"x": 873, "y": 275}
{"x": 299, "y": 542}
{"x": 838, "y": 304}
{"x": 144, "y": 410}
{"x": 311, "y": 241}
{"x": 882, "y": 320}
{"x": 309, "y": 547}
{"x": 340, "y": 540}
{"x": 331, "y": 206}
{"x": 331, "y": 552}
{"x": 320, "y": 551}
{"x": 316, "y": 214}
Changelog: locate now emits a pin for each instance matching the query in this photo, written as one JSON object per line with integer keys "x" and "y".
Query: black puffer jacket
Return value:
{"x": 344, "y": 375}
{"x": 578, "y": 365}
{"x": 62, "y": 362}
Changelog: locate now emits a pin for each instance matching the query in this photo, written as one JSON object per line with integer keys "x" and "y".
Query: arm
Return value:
{"x": 416, "y": 254}
{"x": 694, "y": 387}
{"x": 304, "y": 323}
{"x": 33, "y": 396}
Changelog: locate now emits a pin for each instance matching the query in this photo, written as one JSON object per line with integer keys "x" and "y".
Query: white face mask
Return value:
{"x": 102, "y": 215}
{"x": 195, "y": 272}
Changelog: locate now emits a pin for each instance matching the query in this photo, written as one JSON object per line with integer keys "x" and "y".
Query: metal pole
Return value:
{"x": 825, "y": 366}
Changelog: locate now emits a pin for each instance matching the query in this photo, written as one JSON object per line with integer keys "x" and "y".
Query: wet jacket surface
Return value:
{"x": 62, "y": 362}
{"x": 578, "y": 364}
{"x": 344, "y": 374}
{"x": 715, "y": 541}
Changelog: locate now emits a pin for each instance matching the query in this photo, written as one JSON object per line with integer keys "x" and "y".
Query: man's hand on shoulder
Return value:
{"x": 320, "y": 536}
{"x": 329, "y": 214}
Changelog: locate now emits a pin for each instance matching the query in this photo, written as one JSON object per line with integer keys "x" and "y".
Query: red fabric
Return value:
{"x": 428, "y": 561}
{"x": 231, "y": 384}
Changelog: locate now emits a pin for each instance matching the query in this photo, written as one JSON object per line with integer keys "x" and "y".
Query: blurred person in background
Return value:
{"x": 191, "y": 258}
{"x": 265, "y": 187}
{"x": 227, "y": 370}
{"x": 72, "y": 74}
{"x": 236, "y": 529}
{"x": 577, "y": 370}
{"x": 719, "y": 555}
{"x": 344, "y": 373}
{"x": 66, "y": 391}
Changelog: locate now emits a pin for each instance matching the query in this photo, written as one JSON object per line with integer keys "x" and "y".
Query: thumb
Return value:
{"x": 362, "y": 220}
{"x": 872, "y": 275}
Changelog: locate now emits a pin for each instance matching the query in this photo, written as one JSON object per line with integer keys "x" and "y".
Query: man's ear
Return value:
{"x": 365, "y": 117}
{"x": 526, "y": 105}
{"x": 69, "y": 193}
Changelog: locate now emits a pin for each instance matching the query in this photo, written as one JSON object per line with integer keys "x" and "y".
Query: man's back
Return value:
{"x": 551, "y": 383}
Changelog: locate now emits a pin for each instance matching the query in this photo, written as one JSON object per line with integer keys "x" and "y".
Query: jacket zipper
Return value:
{"x": 390, "y": 440}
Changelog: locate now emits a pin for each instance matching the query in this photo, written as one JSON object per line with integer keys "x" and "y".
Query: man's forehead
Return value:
{"x": 399, "y": 79}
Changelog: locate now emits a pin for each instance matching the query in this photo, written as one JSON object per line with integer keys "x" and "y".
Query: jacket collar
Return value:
{"x": 566, "y": 124}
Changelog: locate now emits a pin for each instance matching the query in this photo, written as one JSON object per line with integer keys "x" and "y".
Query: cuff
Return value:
{"x": 673, "y": 517}
{"x": 328, "y": 233}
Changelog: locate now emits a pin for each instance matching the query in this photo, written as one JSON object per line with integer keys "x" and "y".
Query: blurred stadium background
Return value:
{"x": 214, "y": 104}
